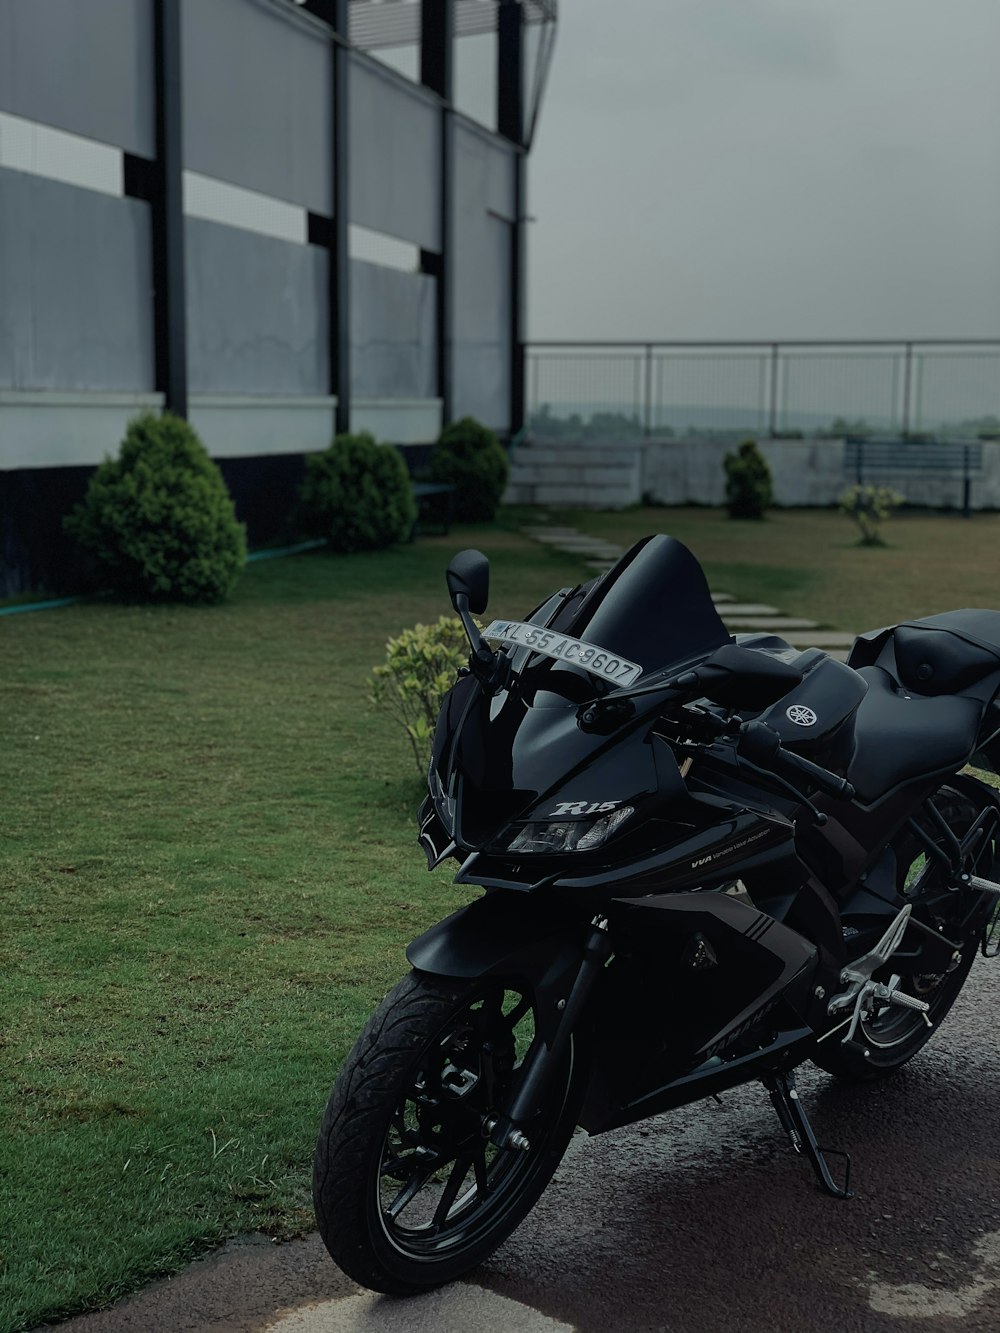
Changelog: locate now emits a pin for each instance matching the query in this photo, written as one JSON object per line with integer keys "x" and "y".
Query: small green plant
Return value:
{"x": 869, "y": 506}
{"x": 843, "y": 426}
{"x": 419, "y": 669}
{"x": 357, "y": 495}
{"x": 159, "y": 520}
{"x": 468, "y": 456}
{"x": 748, "y": 482}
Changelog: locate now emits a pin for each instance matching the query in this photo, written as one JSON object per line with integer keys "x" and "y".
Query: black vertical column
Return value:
{"x": 518, "y": 289}
{"x": 167, "y": 201}
{"x": 510, "y": 123}
{"x": 437, "y": 64}
{"x": 340, "y": 273}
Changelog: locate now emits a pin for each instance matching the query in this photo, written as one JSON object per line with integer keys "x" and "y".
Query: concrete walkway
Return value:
{"x": 738, "y": 617}
{"x": 252, "y": 1286}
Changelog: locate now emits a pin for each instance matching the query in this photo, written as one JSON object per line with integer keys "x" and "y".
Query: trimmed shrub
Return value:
{"x": 869, "y": 506}
{"x": 159, "y": 520}
{"x": 469, "y": 457}
{"x": 419, "y": 669}
{"x": 357, "y": 495}
{"x": 748, "y": 482}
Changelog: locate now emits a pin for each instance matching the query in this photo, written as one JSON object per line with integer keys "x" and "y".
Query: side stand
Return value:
{"x": 785, "y": 1100}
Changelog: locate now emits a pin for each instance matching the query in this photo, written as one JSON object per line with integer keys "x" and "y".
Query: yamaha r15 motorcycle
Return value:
{"x": 706, "y": 861}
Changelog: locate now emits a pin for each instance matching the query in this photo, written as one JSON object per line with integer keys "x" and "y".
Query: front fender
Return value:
{"x": 508, "y": 934}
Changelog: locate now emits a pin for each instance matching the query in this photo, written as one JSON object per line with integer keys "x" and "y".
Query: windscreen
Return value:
{"x": 653, "y": 607}
{"x": 508, "y": 749}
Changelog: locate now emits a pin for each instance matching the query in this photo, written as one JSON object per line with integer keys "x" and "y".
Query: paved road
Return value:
{"x": 697, "y": 1222}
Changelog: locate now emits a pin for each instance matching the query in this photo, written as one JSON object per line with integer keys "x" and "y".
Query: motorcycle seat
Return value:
{"x": 899, "y": 737}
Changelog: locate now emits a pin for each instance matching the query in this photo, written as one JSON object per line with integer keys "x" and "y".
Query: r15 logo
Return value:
{"x": 584, "y": 808}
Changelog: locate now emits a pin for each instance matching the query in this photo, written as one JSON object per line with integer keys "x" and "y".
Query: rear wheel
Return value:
{"x": 408, "y": 1189}
{"x": 894, "y": 1036}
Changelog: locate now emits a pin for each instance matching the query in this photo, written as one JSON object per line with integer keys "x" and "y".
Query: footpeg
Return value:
{"x": 785, "y": 1100}
{"x": 871, "y": 996}
{"x": 990, "y": 943}
{"x": 892, "y": 995}
{"x": 983, "y": 885}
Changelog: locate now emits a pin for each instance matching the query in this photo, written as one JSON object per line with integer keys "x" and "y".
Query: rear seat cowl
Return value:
{"x": 899, "y": 738}
{"x": 937, "y": 660}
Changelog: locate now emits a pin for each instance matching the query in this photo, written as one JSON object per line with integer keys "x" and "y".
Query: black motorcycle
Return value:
{"x": 705, "y": 861}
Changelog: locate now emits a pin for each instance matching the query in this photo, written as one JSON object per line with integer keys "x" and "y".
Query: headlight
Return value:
{"x": 569, "y": 836}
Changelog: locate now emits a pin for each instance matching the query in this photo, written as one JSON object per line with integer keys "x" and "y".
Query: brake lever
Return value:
{"x": 718, "y": 727}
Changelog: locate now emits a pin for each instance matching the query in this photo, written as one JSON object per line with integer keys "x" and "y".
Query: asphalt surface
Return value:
{"x": 695, "y": 1222}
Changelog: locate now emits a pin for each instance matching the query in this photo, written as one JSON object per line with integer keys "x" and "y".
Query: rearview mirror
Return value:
{"x": 742, "y": 677}
{"x": 468, "y": 576}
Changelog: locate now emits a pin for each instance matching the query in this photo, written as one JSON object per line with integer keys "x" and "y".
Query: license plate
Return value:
{"x": 596, "y": 660}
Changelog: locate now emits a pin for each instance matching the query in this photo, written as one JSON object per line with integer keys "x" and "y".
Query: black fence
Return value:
{"x": 859, "y": 388}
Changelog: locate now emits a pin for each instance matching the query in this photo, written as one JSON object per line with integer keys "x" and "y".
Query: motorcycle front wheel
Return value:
{"x": 409, "y": 1192}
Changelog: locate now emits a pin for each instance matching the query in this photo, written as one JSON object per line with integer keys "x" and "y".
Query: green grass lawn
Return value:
{"x": 208, "y": 875}
{"x": 208, "y": 871}
{"x": 807, "y": 561}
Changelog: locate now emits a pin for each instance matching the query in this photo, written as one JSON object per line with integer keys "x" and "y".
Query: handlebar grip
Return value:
{"x": 762, "y": 745}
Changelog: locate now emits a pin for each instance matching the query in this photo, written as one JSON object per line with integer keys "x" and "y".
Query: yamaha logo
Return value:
{"x": 801, "y": 715}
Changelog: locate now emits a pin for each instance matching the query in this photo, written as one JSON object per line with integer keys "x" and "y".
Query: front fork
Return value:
{"x": 507, "y": 1130}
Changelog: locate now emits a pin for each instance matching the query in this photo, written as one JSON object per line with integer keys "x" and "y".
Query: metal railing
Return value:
{"x": 875, "y": 387}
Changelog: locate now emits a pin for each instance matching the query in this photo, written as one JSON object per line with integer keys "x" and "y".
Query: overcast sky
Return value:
{"x": 768, "y": 169}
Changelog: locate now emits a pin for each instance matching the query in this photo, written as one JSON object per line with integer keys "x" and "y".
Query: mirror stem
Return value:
{"x": 484, "y": 663}
{"x": 461, "y": 604}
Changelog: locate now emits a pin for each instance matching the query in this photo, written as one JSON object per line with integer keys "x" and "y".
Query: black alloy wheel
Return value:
{"x": 408, "y": 1188}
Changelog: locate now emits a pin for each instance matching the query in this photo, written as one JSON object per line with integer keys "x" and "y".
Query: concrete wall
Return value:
{"x": 75, "y": 277}
{"x": 611, "y": 474}
{"x": 393, "y": 333}
{"x": 395, "y": 151}
{"x": 484, "y": 208}
{"x": 805, "y": 472}
{"x": 81, "y": 67}
{"x": 257, "y": 312}
{"x": 258, "y": 89}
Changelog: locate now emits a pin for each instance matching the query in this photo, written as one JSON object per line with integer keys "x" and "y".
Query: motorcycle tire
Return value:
{"x": 893, "y": 1038}
{"x": 408, "y": 1190}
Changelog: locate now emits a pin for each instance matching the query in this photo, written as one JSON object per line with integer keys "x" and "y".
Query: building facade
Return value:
{"x": 273, "y": 217}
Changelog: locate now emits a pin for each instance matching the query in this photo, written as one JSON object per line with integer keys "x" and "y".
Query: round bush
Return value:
{"x": 748, "y": 482}
{"x": 159, "y": 520}
{"x": 357, "y": 495}
{"x": 469, "y": 457}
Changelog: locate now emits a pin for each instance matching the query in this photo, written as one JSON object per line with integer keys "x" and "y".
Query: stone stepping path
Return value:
{"x": 601, "y": 552}
{"x": 746, "y": 623}
{"x": 738, "y": 617}
{"x": 829, "y": 639}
